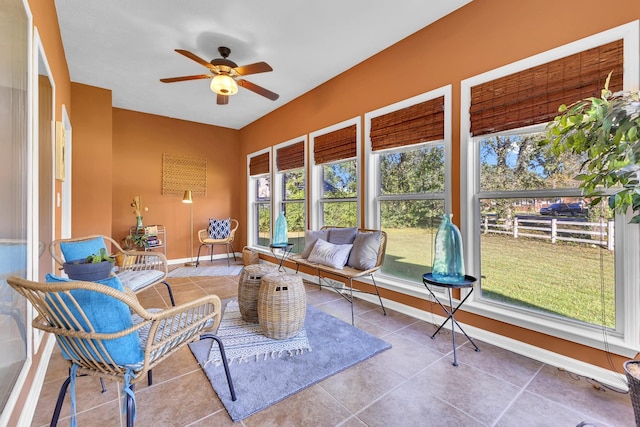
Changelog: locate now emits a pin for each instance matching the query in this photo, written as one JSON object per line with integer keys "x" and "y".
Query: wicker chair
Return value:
{"x": 205, "y": 240}
{"x": 139, "y": 269}
{"x": 70, "y": 311}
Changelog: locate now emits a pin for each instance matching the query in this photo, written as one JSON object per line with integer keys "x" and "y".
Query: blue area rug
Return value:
{"x": 336, "y": 346}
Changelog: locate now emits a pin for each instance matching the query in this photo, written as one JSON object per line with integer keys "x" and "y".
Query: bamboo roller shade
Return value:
{"x": 337, "y": 145}
{"x": 418, "y": 123}
{"x": 181, "y": 173}
{"x": 290, "y": 157}
{"x": 533, "y": 96}
{"x": 259, "y": 164}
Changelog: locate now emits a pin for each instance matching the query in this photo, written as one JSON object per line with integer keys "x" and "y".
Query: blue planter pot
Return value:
{"x": 88, "y": 272}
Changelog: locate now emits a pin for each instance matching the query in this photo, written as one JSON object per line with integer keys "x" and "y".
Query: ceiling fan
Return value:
{"x": 224, "y": 75}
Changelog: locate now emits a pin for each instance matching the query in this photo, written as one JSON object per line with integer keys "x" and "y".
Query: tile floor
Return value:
{"x": 412, "y": 384}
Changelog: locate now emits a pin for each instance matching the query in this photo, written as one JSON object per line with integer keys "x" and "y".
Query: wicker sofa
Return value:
{"x": 348, "y": 273}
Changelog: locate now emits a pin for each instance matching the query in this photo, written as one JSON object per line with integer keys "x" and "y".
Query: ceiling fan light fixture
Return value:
{"x": 223, "y": 84}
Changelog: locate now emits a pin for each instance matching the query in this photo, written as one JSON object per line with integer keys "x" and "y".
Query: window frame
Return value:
{"x": 372, "y": 196}
{"x": 314, "y": 186}
{"x": 625, "y": 341}
{"x": 277, "y": 192}
{"x": 251, "y": 197}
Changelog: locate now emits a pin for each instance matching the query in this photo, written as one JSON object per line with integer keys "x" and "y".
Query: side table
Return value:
{"x": 468, "y": 282}
{"x": 285, "y": 251}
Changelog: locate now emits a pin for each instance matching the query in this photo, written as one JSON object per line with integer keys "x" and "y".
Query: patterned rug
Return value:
{"x": 234, "y": 270}
{"x": 244, "y": 341}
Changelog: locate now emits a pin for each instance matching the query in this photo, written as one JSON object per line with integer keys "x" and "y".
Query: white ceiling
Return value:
{"x": 128, "y": 45}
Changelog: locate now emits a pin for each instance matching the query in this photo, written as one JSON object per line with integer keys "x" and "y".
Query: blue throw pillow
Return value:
{"x": 80, "y": 250}
{"x": 219, "y": 228}
{"x": 107, "y": 315}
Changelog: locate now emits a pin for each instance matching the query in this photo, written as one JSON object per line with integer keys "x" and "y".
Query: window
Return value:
{"x": 335, "y": 175}
{"x": 541, "y": 244}
{"x": 290, "y": 185}
{"x": 546, "y": 260}
{"x": 15, "y": 334}
{"x": 408, "y": 146}
{"x": 259, "y": 226}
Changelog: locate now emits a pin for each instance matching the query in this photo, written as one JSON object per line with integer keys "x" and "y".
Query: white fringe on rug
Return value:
{"x": 244, "y": 341}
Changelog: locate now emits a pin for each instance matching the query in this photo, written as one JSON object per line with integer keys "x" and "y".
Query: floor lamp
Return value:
{"x": 187, "y": 198}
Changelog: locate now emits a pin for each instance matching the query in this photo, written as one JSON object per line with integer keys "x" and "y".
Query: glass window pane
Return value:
{"x": 557, "y": 263}
{"x": 518, "y": 162}
{"x": 294, "y": 186}
{"x": 14, "y": 30}
{"x": 294, "y": 211}
{"x": 339, "y": 180}
{"x": 263, "y": 188}
{"x": 419, "y": 170}
{"x": 340, "y": 214}
{"x": 411, "y": 227}
{"x": 263, "y": 214}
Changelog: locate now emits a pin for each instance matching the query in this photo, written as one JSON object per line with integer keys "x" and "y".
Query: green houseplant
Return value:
{"x": 96, "y": 266}
{"x": 606, "y": 132}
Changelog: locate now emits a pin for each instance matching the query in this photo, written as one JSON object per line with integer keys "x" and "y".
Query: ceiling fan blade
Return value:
{"x": 258, "y": 89}
{"x": 184, "y": 78}
{"x": 196, "y": 58}
{"x": 223, "y": 99}
{"x": 258, "y": 67}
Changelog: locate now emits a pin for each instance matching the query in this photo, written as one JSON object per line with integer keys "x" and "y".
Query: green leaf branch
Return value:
{"x": 606, "y": 132}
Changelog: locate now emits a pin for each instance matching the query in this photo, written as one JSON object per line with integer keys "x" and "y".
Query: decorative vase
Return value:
{"x": 448, "y": 262}
{"x": 280, "y": 237}
{"x": 139, "y": 224}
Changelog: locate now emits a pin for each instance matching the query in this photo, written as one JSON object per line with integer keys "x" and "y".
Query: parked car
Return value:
{"x": 556, "y": 209}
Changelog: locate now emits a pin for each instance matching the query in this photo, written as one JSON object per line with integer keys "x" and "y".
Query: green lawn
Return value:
{"x": 571, "y": 282}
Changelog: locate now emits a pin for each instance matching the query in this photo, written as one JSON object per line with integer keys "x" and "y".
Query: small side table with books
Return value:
{"x": 156, "y": 237}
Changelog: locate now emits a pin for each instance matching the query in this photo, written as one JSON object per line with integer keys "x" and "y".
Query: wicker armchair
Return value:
{"x": 139, "y": 269}
{"x": 205, "y": 240}
{"x": 74, "y": 311}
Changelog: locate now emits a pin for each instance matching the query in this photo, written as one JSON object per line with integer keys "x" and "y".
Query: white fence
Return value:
{"x": 602, "y": 233}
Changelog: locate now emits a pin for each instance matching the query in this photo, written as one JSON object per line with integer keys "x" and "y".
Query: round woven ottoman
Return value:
{"x": 282, "y": 305}
{"x": 248, "y": 288}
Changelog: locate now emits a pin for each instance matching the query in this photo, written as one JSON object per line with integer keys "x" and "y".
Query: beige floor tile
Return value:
{"x": 481, "y": 396}
{"x": 177, "y": 402}
{"x": 310, "y": 407}
{"x": 359, "y": 385}
{"x": 576, "y": 393}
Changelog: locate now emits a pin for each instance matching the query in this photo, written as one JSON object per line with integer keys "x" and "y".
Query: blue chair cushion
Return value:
{"x": 219, "y": 228}
{"x": 107, "y": 315}
{"x": 80, "y": 250}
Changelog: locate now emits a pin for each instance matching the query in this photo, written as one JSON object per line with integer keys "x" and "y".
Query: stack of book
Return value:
{"x": 152, "y": 240}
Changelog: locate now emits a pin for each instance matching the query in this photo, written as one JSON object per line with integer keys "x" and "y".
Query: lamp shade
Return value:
{"x": 187, "y": 197}
{"x": 223, "y": 84}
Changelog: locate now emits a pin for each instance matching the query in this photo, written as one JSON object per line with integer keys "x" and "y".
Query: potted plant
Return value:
{"x": 606, "y": 131}
{"x": 96, "y": 266}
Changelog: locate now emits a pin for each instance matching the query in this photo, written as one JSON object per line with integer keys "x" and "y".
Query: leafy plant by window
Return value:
{"x": 607, "y": 131}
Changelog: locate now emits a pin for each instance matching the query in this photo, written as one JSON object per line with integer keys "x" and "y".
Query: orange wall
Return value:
{"x": 139, "y": 140}
{"x": 483, "y": 35}
{"x": 91, "y": 158}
